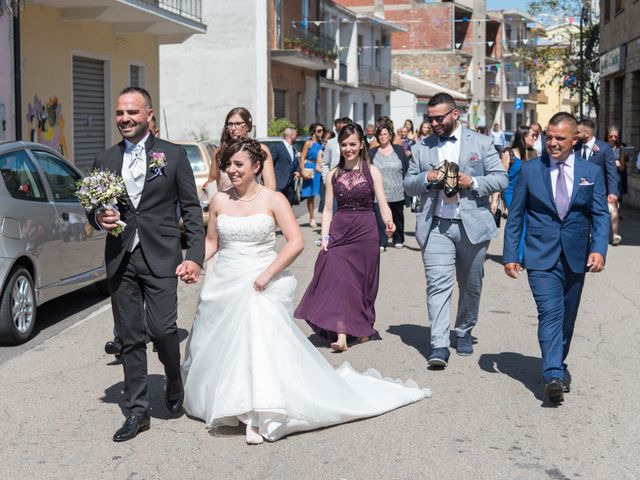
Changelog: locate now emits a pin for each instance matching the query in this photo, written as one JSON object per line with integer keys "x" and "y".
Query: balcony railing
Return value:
{"x": 374, "y": 76}
{"x": 191, "y": 9}
{"x": 309, "y": 42}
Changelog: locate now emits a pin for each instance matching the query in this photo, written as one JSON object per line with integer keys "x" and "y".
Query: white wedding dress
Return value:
{"x": 247, "y": 360}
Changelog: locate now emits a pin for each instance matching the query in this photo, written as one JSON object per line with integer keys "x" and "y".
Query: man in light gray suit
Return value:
{"x": 453, "y": 231}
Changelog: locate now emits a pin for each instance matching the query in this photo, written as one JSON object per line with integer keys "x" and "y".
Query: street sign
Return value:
{"x": 518, "y": 104}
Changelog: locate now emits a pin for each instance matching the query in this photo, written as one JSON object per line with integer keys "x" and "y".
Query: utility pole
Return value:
{"x": 584, "y": 12}
{"x": 479, "y": 43}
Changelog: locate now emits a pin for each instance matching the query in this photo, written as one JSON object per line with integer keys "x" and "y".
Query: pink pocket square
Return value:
{"x": 473, "y": 157}
{"x": 584, "y": 181}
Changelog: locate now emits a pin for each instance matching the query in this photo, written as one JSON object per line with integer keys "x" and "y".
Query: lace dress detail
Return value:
{"x": 353, "y": 190}
{"x": 258, "y": 228}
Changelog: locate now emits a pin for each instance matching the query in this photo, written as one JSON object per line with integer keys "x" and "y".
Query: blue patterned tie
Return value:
{"x": 562, "y": 194}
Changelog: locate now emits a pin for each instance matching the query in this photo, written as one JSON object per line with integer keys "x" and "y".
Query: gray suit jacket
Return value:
{"x": 478, "y": 159}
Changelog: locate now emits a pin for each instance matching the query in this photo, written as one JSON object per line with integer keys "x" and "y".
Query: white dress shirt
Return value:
{"x": 568, "y": 174}
{"x": 589, "y": 146}
{"x": 449, "y": 207}
{"x": 127, "y": 174}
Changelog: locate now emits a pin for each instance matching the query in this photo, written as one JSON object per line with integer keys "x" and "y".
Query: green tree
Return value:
{"x": 277, "y": 126}
{"x": 556, "y": 57}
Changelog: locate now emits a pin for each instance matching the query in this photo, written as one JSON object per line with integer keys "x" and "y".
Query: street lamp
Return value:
{"x": 584, "y": 13}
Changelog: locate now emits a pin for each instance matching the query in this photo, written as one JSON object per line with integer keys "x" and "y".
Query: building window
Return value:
{"x": 279, "y": 103}
{"x": 136, "y": 76}
{"x": 606, "y": 10}
{"x": 508, "y": 120}
{"x": 619, "y": 6}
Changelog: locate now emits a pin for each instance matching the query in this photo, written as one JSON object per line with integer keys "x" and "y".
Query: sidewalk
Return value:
{"x": 487, "y": 420}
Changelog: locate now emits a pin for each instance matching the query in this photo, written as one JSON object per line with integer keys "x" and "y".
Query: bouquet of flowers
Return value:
{"x": 102, "y": 189}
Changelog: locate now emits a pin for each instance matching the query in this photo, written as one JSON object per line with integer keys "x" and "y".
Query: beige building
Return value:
{"x": 78, "y": 54}
{"x": 553, "y": 98}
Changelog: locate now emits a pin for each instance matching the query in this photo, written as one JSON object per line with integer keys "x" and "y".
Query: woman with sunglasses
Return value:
{"x": 238, "y": 124}
{"x": 311, "y": 168}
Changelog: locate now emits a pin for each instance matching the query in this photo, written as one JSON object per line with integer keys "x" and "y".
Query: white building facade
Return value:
{"x": 360, "y": 84}
{"x": 208, "y": 75}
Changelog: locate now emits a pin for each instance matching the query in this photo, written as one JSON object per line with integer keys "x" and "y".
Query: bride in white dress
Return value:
{"x": 246, "y": 359}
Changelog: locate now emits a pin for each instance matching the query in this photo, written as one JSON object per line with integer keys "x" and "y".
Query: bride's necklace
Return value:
{"x": 242, "y": 199}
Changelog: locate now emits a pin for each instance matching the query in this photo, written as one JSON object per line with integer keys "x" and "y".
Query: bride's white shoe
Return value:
{"x": 253, "y": 437}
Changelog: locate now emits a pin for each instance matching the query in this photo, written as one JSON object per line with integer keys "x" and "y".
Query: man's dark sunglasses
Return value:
{"x": 439, "y": 118}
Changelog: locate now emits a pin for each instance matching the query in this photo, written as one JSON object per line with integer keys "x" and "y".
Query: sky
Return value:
{"x": 508, "y": 5}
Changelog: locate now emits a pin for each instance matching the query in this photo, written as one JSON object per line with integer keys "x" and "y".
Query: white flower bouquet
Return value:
{"x": 102, "y": 189}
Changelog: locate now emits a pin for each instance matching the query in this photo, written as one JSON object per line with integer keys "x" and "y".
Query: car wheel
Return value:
{"x": 103, "y": 287}
{"x": 17, "y": 308}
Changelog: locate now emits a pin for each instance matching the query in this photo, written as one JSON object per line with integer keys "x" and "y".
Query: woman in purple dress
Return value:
{"x": 340, "y": 300}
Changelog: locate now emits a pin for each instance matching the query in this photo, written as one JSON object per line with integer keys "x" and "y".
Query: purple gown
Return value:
{"x": 342, "y": 294}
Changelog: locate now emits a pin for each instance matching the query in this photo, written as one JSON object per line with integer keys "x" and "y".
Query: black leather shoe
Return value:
{"x": 554, "y": 390}
{"x": 113, "y": 347}
{"x": 174, "y": 396}
{"x": 131, "y": 427}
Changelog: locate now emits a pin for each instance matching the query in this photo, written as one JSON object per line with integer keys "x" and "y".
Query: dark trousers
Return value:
{"x": 397, "y": 214}
{"x": 290, "y": 193}
{"x": 557, "y": 293}
{"x": 144, "y": 304}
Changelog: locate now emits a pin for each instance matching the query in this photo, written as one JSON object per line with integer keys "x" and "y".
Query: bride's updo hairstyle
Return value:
{"x": 345, "y": 132}
{"x": 250, "y": 146}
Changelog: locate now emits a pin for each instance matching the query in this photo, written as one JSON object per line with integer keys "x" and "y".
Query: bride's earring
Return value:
{"x": 253, "y": 437}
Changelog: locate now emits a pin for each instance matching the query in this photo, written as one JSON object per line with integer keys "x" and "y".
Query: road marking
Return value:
{"x": 100, "y": 311}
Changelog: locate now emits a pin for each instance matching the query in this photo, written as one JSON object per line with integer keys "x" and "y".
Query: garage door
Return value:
{"x": 88, "y": 110}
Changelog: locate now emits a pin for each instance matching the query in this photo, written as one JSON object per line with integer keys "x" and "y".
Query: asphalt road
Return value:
{"x": 487, "y": 418}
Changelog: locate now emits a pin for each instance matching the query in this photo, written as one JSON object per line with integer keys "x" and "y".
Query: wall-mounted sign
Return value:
{"x": 522, "y": 89}
{"x": 613, "y": 61}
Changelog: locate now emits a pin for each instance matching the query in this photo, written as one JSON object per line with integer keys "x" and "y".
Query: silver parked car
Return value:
{"x": 47, "y": 247}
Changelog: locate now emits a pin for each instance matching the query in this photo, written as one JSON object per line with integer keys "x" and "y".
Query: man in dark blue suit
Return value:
{"x": 563, "y": 199}
{"x": 286, "y": 164}
{"x": 600, "y": 153}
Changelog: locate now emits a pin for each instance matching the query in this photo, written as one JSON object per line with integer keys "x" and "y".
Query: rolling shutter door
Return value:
{"x": 88, "y": 110}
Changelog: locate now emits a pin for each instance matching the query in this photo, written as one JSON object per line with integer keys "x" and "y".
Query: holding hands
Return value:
{"x": 188, "y": 271}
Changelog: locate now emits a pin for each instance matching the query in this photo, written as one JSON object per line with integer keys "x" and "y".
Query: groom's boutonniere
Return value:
{"x": 157, "y": 163}
{"x": 596, "y": 148}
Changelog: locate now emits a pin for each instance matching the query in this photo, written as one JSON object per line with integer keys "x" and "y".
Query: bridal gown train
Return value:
{"x": 248, "y": 361}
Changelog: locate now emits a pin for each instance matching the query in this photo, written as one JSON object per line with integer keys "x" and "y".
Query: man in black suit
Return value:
{"x": 145, "y": 261}
{"x": 286, "y": 164}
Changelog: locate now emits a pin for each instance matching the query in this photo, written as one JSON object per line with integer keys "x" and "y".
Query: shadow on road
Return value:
{"x": 64, "y": 307}
{"x": 522, "y": 368}
{"x": 155, "y": 383}
{"x": 416, "y": 336}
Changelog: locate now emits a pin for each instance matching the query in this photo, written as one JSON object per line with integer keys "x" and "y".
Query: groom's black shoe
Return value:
{"x": 113, "y": 347}
{"x": 174, "y": 396}
{"x": 131, "y": 427}
{"x": 554, "y": 390}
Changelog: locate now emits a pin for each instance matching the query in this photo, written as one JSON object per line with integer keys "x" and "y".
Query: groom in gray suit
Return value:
{"x": 453, "y": 232}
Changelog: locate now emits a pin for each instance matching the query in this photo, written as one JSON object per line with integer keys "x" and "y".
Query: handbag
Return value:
{"x": 297, "y": 186}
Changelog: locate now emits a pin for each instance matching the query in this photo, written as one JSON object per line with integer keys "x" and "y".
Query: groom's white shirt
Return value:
{"x": 126, "y": 174}
{"x": 449, "y": 207}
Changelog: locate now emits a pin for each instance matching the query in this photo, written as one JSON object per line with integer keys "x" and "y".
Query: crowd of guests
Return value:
{"x": 561, "y": 189}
